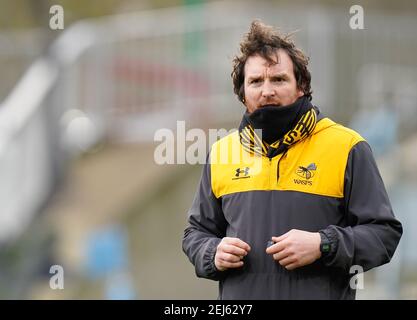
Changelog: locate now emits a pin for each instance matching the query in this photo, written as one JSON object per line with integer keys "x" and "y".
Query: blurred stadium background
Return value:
{"x": 79, "y": 108}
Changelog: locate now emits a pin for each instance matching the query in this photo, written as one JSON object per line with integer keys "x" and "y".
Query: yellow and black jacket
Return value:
{"x": 325, "y": 179}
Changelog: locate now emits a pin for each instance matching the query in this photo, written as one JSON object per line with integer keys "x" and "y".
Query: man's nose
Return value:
{"x": 268, "y": 90}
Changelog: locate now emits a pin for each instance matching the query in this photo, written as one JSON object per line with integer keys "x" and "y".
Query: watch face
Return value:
{"x": 325, "y": 247}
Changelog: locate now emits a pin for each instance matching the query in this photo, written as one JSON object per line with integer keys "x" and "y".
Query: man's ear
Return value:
{"x": 242, "y": 94}
{"x": 300, "y": 93}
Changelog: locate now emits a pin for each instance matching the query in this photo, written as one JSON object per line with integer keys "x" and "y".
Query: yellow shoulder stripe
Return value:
{"x": 314, "y": 165}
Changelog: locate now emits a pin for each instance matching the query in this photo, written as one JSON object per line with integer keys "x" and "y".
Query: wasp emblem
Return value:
{"x": 307, "y": 172}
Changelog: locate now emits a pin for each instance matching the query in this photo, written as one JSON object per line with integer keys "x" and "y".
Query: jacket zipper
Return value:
{"x": 270, "y": 161}
{"x": 283, "y": 155}
{"x": 269, "y": 173}
{"x": 270, "y": 156}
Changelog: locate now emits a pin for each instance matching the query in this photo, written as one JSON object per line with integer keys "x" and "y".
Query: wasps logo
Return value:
{"x": 307, "y": 172}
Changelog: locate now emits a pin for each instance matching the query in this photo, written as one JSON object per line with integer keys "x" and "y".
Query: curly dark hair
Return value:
{"x": 264, "y": 40}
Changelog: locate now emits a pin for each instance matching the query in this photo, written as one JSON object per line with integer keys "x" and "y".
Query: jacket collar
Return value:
{"x": 251, "y": 142}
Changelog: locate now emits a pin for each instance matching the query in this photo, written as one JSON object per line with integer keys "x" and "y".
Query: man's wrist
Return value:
{"x": 325, "y": 244}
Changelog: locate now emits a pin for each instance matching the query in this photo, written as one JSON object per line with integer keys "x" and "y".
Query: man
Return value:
{"x": 317, "y": 207}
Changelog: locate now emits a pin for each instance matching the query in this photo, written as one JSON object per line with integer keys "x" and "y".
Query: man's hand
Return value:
{"x": 229, "y": 253}
{"x": 296, "y": 248}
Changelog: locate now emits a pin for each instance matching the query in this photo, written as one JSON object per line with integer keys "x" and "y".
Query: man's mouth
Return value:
{"x": 270, "y": 105}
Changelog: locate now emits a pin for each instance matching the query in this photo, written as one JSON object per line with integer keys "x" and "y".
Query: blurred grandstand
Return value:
{"x": 79, "y": 185}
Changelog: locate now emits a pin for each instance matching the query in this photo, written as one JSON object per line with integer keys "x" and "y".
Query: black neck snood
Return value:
{"x": 275, "y": 121}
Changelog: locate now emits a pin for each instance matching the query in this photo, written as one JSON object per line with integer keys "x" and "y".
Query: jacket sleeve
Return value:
{"x": 373, "y": 232}
{"x": 206, "y": 227}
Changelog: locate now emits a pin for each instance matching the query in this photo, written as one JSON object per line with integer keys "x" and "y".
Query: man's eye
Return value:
{"x": 278, "y": 79}
{"x": 255, "y": 81}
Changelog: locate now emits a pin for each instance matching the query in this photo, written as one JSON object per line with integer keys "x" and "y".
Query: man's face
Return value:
{"x": 267, "y": 84}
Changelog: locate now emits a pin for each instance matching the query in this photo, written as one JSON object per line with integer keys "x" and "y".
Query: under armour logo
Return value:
{"x": 244, "y": 171}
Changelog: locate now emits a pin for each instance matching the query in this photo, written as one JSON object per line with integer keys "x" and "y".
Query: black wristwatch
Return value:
{"x": 325, "y": 244}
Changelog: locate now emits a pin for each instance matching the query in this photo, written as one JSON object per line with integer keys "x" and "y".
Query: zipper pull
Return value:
{"x": 271, "y": 151}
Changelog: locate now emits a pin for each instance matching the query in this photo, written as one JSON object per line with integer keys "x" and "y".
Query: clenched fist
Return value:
{"x": 229, "y": 253}
{"x": 296, "y": 248}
